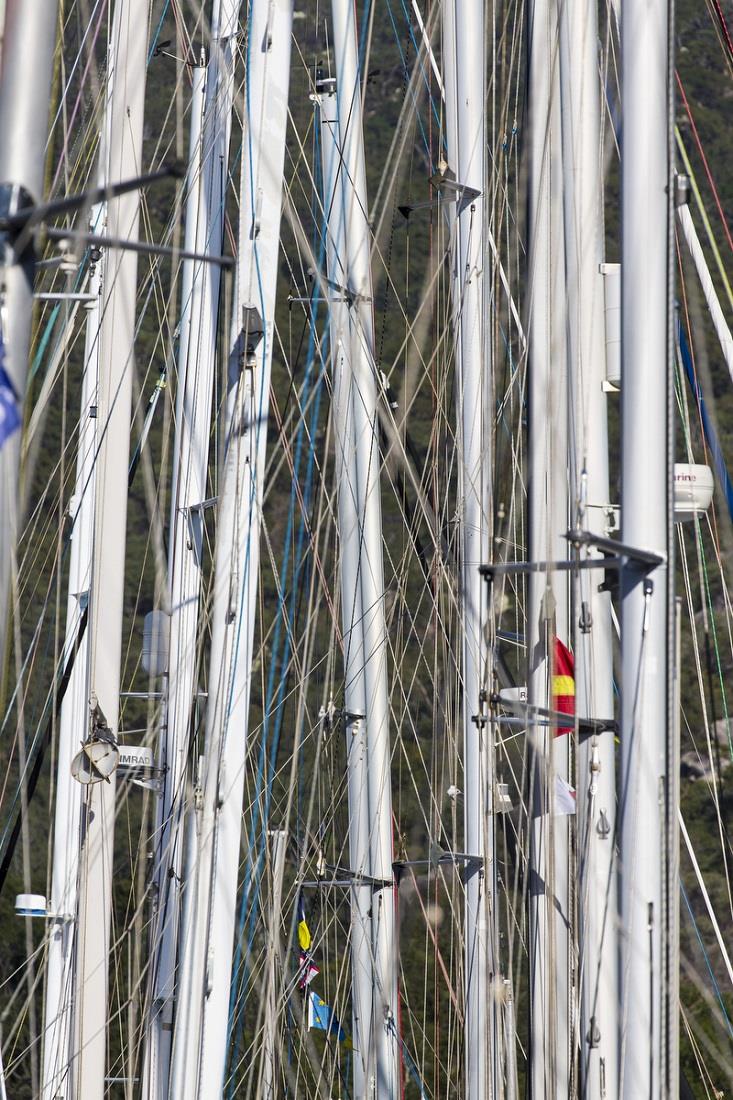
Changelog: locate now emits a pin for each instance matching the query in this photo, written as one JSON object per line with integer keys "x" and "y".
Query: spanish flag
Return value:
{"x": 304, "y": 932}
{"x": 563, "y": 684}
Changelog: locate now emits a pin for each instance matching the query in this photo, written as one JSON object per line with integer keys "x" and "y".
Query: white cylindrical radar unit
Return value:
{"x": 693, "y": 491}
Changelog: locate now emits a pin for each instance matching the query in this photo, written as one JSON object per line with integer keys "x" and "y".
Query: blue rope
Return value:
{"x": 364, "y": 35}
{"x": 416, "y": 47}
{"x": 412, "y": 1068}
{"x": 267, "y": 762}
{"x": 707, "y": 960}
{"x": 156, "y": 36}
{"x": 403, "y": 59}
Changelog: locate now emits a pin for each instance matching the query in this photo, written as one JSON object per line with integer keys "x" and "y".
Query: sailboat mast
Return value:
{"x": 203, "y": 1007}
{"x": 202, "y": 334}
{"x": 343, "y": 399}
{"x": 74, "y": 709}
{"x": 647, "y": 631}
{"x": 547, "y": 615}
{"x": 596, "y": 774}
{"x": 271, "y": 1052}
{"x": 367, "y": 488}
{"x": 465, "y": 86}
{"x": 28, "y": 43}
{"x": 196, "y": 365}
{"x": 116, "y": 352}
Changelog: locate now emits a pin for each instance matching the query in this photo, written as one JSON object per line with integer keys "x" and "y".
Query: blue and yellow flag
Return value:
{"x": 322, "y": 1017}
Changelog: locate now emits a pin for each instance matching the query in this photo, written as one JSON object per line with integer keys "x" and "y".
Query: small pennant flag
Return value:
{"x": 9, "y": 410}
{"x": 564, "y": 798}
{"x": 322, "y": 1017}
{"x": 307, "y": 971}
{"x": 304, "y": 933}
{"x": 563, "y": 684}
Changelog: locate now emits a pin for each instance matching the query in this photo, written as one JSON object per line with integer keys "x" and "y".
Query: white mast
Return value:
{"x": 465, "y": 85}
{"x": 351, "y": 605}
{"x": 205, "y": 209}
{"x": 74, "y": 710}
{"x": 200, "y": 1043}
{"x": 647, "y": 634}
{"x": 196, "y": 364}
{"x": 28, "y": 41}
{"x": 596, "y": 777}
{"x": 366, "y": 443}
{"x": 270, "y": 1052}
{"x": 547, "y": 616}
{"x": 129, "y": 44}
{"x": 205, "y": 212}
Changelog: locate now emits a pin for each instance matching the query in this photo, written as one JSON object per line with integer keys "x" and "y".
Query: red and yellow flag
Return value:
{"x": 563, "y": 684}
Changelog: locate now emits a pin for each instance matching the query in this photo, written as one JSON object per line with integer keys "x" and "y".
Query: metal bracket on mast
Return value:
{"x": 587, "y": 727}
{"x": 449, "y": 191}
{"x": 26, "y": 215}
{"x": 618, "y": 555}
{"x": 19, "y": 215}
{"x": 439, "y": 858}
{"x": 97, "y": 241}
{"x": 347, "y": 878}
{"x": 621, "y": 552}
{"x": 350, "y": 297}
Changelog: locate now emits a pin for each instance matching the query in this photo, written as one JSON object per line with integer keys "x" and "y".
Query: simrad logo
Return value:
{"x": 136, "y": 758}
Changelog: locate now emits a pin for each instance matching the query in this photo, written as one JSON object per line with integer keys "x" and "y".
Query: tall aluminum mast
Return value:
{"x": 351, "y": 605}
{"x": 116, "y": 353}
{"x": 25, "y": 86}
{"x": 366, "y": 444}
{"x": 212, "y": 93}
{"x": 58, "y": 1025}
{"x": 205, "y": 212}
{"x": 465, "y": 89}
{"x": 647, "y": 624}
{"x": 196, "y": 364}
{"x": 596, "y": 775}
{"x": 200, "y": 1042}
{"x": 551, "y": 1036}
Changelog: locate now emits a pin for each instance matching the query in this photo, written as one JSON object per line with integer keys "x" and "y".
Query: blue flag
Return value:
{"x": 322, "y": 1017}
{"x": 9, "y": 411}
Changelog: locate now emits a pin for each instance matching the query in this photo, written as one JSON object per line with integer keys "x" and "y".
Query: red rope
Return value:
{"x": 704, "y": 161}
{"x": 723, "y": 28}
